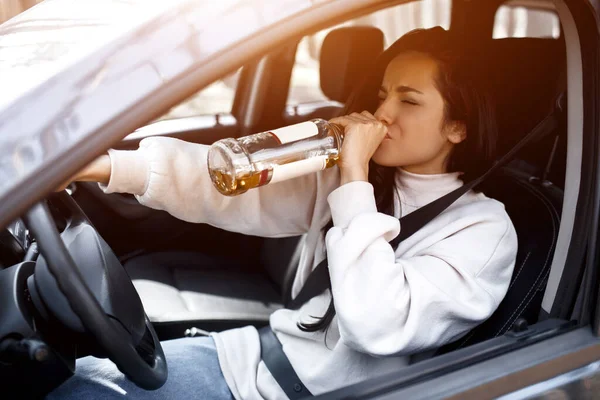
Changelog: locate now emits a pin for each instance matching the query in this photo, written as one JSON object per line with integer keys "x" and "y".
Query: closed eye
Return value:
{"x": 412, "y": 103}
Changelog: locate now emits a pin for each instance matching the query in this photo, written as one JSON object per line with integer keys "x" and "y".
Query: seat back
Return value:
{"x": 534, "y": 209}
{"x": 280, "y": 257}
{"x": 525, "y": 76}
{"x": 525, "y": 80}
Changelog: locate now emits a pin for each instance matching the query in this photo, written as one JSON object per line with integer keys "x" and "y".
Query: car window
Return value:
{"x": 216, "y": 98}
{"x": 394, "y": 22}
{"x": 514, "y": 19}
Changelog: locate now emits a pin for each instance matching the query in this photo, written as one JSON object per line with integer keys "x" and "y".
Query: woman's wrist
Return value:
{"x": 352, "y": 174}
{"x": 97, "y": 171}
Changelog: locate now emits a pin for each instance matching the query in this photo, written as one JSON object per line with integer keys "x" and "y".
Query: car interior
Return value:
{"x": 181, "y": 288}
{"x": 198, "y": 276}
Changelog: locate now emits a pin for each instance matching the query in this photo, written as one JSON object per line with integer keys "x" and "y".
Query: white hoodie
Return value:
{"x": 440, "y": 283}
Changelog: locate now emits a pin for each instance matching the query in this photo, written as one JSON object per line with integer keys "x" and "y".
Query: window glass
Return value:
{"x": 214, "y": 99}
{"x": 394, "y": 22}
{"x": 513, "y": 20}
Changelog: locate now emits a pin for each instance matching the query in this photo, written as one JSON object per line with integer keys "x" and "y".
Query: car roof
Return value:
{"x": 69, "y": 69}
{"x": 45, "y": 39}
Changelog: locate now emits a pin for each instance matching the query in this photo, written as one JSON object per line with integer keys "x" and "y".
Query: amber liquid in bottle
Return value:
{"x": 232, "y": 186}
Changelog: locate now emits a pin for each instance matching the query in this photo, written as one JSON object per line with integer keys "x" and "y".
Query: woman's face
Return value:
{"x": 413, "y": 109}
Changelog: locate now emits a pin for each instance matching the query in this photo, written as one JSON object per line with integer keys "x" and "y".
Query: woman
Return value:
{"x": 430, "y": 130}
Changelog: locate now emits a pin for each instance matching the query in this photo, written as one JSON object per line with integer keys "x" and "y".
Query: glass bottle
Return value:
{"x": 236, "y": 165}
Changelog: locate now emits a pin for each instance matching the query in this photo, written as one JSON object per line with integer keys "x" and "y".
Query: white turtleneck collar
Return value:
{"x": 417, "y": 190}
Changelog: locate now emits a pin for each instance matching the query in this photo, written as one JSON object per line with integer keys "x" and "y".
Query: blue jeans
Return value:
{"x": 194, "y": 373}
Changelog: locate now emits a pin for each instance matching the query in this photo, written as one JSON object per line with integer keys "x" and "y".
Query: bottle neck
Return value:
{"x": 338, "y": 130}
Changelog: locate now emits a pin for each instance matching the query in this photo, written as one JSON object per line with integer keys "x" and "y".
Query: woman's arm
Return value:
{"x": 170, "y": 174}
{"x": 96, "y": 171}
{"x": 388, "y": 306}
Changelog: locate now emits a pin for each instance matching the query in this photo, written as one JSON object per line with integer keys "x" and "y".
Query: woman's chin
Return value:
{"x": 383, "y": 159}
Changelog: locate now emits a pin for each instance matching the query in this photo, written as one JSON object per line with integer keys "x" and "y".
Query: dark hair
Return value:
{"x": 466, "y": 101}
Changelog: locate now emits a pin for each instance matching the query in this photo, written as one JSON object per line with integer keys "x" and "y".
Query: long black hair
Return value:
{"x": 465, "y": 101}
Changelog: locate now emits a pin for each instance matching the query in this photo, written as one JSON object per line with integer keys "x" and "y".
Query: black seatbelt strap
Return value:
{"x": 272, "y": 353}
{"x": 315, "y": 284}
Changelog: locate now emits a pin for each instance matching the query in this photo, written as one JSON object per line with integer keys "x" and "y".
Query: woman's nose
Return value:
{"x": 382, "y": 115}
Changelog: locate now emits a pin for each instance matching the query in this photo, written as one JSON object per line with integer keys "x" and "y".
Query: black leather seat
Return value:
{"x": 525, "y": 90}
{"x": 534, "y": 208}
{"x": 183, "y": 289}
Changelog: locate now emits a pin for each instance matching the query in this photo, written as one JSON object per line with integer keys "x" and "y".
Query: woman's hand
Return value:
{"x": 363, "y": 134}
{"x": 97, "y": 171}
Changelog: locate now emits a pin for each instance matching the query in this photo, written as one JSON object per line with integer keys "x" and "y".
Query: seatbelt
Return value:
{"x": 271, "y": 352}
{"x": 319, "y": 279}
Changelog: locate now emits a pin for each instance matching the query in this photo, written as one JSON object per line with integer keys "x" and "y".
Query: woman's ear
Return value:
{"x": 456, "y": 132}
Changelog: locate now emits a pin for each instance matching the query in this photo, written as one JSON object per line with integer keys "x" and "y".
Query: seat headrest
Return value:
{"x": 524, "y": 78}
{"x": 346, "y": 54}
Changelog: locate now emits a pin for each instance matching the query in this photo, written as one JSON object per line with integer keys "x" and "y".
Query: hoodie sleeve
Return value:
{"x": 172, "y": 175}
{"x": 392, "y": 306}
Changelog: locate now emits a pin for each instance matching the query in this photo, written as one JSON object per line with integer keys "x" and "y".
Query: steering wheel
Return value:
{"x": 81, "y": 282}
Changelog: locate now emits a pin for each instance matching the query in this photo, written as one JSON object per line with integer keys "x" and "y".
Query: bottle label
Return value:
{"x": 296, "y": 132}
{"x": 298, "y": 168}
